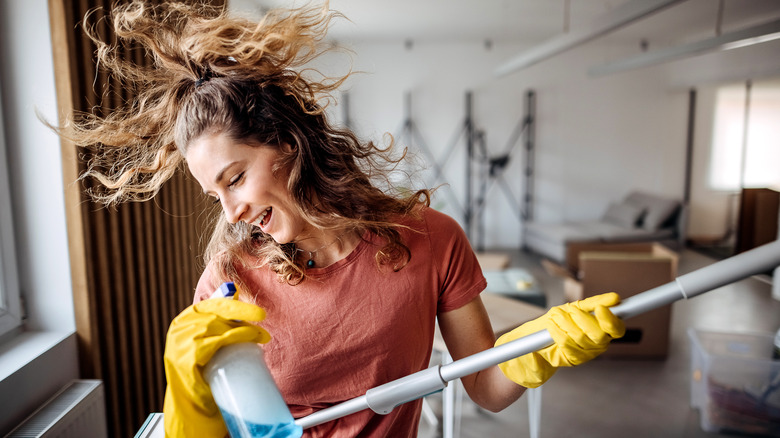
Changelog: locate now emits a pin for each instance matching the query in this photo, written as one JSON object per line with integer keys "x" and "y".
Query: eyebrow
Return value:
{"x": 221, "y": 175}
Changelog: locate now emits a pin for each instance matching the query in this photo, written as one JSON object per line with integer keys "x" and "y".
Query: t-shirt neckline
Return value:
{"x": 364, "y": 243}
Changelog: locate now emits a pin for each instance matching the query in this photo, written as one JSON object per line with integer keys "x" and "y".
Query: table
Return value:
{"x": 517, "y": 283}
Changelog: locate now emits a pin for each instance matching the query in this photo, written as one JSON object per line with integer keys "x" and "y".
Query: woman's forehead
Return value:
{"x": 215, "y": 149}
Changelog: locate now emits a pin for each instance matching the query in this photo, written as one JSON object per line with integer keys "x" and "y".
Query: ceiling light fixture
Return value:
{"x": 741, "y": 38}
{"x": 621, "y": 16}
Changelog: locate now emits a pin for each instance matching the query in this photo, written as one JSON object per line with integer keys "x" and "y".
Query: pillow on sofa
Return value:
{"x": 623, "y": 214}
{"x": 657, "y": 210}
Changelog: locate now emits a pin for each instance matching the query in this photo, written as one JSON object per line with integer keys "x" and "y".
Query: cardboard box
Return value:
{"x": 574, "y": 249}
{"x": 628, "y": 269}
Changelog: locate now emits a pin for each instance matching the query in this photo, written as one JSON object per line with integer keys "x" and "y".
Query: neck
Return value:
{"x": 325, "y": 250}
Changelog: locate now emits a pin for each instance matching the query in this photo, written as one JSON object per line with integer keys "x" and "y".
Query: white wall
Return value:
{"x": 713, "y": 212}
{"x": 596, "y": 138}
{"x": 36, "y": 167}
{"x": 710, "y": 208}
{"x": 36, "y": 364}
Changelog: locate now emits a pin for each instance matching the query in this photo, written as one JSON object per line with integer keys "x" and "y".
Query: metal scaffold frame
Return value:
{"x": 493, "y": 168}
{"x": 489, "y": 169}
{"x": 413, "y": 137}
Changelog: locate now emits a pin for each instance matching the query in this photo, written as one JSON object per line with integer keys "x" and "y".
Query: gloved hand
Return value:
{"x": 579, "y": 337}
{"x": 193, "y": 338}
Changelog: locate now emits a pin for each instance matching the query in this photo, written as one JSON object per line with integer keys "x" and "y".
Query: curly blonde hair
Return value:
{"x": 212, "y": 72}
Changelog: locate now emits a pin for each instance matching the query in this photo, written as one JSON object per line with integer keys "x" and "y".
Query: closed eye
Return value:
{"x": 236, "y": 179}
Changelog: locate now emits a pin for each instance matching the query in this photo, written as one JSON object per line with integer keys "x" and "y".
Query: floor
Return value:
{"x": 628, "y": 398}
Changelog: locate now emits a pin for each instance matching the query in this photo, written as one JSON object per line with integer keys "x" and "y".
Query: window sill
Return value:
{"x": 34, "y": 366}
{"x": 26, "y": 347}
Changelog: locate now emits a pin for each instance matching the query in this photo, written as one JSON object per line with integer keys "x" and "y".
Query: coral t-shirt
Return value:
{"x": 353, "y": 326}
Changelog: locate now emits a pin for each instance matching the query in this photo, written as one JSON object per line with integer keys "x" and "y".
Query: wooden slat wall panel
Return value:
{"x": 139, "y": 263}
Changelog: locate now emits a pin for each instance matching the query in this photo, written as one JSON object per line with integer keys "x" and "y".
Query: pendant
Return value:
{"x": 310, "y": 263}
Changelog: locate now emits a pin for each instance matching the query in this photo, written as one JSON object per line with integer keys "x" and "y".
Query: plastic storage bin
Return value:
{"x": 735, "y": 384}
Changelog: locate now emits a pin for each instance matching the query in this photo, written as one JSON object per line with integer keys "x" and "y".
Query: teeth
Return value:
{"x": 259, "y": 221}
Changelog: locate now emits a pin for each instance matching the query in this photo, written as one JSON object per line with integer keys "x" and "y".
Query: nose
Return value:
{"x": 234, "y": 209}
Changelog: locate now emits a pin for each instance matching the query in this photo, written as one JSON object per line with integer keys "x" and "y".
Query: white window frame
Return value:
{"x": 744, "y": 152}
{"x": 10, "y": 293}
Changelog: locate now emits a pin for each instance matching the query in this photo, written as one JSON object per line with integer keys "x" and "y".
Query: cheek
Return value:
{"x": 279, "y": 182}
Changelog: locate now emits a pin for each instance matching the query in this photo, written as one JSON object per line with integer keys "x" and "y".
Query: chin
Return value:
{"x": 281, "y": 239}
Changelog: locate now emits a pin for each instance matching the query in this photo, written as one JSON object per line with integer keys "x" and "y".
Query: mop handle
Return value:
{"x": 384, "y": 398}
{"x": 755, "y": 261}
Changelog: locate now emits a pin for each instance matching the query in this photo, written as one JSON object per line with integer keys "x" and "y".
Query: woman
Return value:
{"x": 352, "y": 274}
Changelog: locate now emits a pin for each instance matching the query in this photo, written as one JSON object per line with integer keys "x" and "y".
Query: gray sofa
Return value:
{"x": 640, "y": 217}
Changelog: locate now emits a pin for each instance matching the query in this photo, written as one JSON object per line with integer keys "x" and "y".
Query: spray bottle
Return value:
{"x": 245, "y": 391}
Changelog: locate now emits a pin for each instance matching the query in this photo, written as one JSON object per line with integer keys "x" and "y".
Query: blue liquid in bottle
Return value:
{"x": 246, "y": 394}
{"x": 238, "y": 427}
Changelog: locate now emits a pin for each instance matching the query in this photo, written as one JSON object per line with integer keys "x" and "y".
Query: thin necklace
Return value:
{"x": 310, "y": 262}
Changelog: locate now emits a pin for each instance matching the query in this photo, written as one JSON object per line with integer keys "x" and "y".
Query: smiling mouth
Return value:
{"x": 262, "y": 221}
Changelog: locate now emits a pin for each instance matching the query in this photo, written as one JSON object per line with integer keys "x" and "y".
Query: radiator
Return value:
{"x": 77, "y": 411}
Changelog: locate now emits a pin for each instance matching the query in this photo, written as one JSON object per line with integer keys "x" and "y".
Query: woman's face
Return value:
{"x": 240, "y": 176}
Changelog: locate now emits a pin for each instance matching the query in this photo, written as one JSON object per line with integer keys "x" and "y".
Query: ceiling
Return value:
{"x": 526, "y": 21}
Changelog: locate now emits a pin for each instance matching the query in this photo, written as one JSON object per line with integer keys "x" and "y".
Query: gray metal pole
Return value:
{"x": 420, "y": 384}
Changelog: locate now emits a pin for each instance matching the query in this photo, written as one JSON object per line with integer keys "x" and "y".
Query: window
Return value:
{"x": 10, "y": 308}
{"x": 746, "y": 137}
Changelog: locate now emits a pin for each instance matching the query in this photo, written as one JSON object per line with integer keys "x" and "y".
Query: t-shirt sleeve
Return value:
{"x": 460, "y": 275}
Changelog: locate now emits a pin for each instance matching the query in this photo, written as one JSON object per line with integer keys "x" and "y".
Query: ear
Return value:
{"x": 287, "y": 148}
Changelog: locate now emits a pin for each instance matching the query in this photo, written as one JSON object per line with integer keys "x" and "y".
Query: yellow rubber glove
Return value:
{"x": 579, "y": 337}
{"x": 193, "y": 338}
